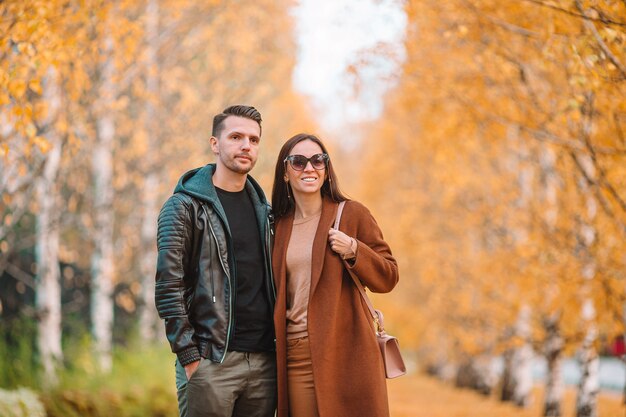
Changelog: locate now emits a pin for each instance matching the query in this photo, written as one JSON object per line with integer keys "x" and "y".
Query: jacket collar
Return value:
{"x": 198, "y": 183}
{"x": 320, "y": 242}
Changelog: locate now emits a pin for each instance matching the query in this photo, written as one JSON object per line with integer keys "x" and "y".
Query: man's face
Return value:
{"x": 238, "y": 144}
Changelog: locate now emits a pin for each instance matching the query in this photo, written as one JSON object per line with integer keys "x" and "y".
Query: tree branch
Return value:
{"x": 618, "y": 125}
{"x": 571, "y": 13}
{"x": 20, "y": 275}
{"x": 603, "y": 46}
{"x": 549, "y": 137}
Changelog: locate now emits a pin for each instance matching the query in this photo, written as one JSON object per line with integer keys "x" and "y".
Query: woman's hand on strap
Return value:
{"x": 344, "y": 245}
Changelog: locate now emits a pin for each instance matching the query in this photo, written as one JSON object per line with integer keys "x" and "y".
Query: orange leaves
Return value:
{"x": 41, "y": 143}
{"x": 17, "y": 88}
{"x": 30, "y": 131}
{"x": 26, "y": 48}
{"x": 35, "y": 86}
{"x": 29, "y": 46}
{"x": 488, "y": 89}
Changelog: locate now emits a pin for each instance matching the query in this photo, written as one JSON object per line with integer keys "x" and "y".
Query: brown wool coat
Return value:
{"x": 347, "y": 366}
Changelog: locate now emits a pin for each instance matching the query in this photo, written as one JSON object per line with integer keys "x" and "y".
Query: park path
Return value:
{"x": 421, "y": 396}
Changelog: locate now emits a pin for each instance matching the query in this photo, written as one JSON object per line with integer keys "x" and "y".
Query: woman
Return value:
{"x": 329, "y": 363}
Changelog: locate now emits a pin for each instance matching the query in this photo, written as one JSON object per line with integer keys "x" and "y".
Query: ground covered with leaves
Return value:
{"x": 417, "y": 395}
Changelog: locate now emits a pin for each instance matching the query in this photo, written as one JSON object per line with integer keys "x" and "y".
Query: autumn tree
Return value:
{"x": 505, "y": 130}
{"x": 39, "y": 50}
{"x": 105, "y": 105}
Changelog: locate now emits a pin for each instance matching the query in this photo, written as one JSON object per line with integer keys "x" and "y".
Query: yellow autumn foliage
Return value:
{"x": 480, "y": 218}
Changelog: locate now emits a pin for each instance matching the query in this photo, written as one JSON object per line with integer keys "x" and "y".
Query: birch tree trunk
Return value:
{"x": 517, "y": 377}
{"x": 102, "y": 263}
{"x": 48, "y": 286}
{"x": 442, "y": 365}
{"x": 554, "y": 343}
{"x": 517, "y": 373}
{"x": 148, "y": 321}
{"x": 553, "y": 350}
{"x": 477, "y": 373}
{"x": 586, "y": 400}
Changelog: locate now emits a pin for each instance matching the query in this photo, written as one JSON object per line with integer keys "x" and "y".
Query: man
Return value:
{"x": 214, "y": 286}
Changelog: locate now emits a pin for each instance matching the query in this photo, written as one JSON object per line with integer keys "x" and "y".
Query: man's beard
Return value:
{"x": 234, "y": 166}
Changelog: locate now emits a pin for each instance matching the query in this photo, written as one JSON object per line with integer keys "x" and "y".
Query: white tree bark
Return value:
{"x": 554, "y": 343}
{"x": 148, "y": 321}
{"x": 522, "y": 361}
{"x": 48, "y": 286}
{"x": 21, "y": 187}
{"x": 477, "y": 373}
{"x": 586, "y": 400}
{"x": 517, "y": 374}
{"x": 102, "y": 262}
{"x": 553, "y": 350}
{"x": 442, "y": 366}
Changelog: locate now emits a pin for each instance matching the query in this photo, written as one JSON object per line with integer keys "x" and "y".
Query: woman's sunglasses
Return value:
{"x": 299, "y": 162}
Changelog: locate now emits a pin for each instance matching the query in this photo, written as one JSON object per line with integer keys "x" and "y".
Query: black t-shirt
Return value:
{"x": 254, "y": 330}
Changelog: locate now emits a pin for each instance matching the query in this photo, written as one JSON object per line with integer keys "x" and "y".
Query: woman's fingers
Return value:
{"x": 339, "y": 241}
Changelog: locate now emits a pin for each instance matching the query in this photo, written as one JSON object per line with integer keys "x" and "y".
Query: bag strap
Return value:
{"x": 376, "y": 315}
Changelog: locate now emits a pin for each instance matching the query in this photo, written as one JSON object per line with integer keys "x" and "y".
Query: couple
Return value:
{"x": 261, "y": 321}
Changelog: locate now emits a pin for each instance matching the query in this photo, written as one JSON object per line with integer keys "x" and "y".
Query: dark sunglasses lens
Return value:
{"x": 318, "y": 161}
{"x": 298, "y": 162}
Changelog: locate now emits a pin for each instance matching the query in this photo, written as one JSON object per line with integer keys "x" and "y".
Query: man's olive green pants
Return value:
{"x": 244, "y": 385}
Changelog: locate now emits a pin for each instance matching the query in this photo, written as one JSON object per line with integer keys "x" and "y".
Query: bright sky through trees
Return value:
{"x": 335, "y": 36}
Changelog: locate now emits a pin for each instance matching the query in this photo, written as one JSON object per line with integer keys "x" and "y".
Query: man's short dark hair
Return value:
{"x": 248, "y": 112}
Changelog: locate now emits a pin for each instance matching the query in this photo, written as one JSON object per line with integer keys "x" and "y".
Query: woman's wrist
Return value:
{"x": 352, "y": 253}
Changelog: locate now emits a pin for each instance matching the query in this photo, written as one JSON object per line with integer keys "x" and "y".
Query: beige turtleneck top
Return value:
{"x": 299, "y": 254}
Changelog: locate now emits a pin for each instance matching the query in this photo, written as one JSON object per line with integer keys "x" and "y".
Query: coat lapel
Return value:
{"x": 279, "y": 254}
{"x": 320, "y": 243}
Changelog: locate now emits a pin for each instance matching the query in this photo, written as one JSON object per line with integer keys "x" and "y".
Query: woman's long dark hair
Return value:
{"x": 281, "y": 202}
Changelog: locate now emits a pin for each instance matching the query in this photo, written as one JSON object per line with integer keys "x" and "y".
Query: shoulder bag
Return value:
{"x": 389, "y": 346}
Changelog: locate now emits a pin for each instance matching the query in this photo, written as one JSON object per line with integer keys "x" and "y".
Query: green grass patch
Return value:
{"x": 141, "y": 384}
{"x": 18, "y": 361}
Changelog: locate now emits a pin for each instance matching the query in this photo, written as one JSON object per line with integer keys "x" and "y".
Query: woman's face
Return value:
{"x": 309, "y": 180}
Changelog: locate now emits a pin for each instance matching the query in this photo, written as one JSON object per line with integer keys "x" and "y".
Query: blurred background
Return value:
{"x": 488, "y": 138}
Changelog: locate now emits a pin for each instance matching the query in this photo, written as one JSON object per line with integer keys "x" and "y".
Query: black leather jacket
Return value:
{"x": 196, "y": 275}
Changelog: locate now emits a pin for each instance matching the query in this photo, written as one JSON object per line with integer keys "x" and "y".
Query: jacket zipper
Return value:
{"x": 230, "y": 299}
{"x": 212, "y": 286}
{"x": 268, "y": 257}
